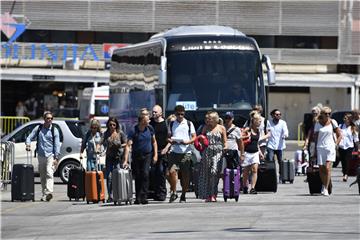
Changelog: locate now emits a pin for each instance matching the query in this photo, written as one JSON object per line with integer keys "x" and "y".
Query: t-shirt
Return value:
{"x": 181, "y": 131}
{"x": 161, "y": 133}
{"x": 326, "y": 138}
{"x": 233, "y": 138}
{"x": 141, "y": 140}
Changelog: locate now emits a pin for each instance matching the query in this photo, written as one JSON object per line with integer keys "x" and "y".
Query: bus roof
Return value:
{"x": 198, "y": 31}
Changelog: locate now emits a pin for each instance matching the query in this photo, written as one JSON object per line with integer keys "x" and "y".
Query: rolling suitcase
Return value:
{"x": 231, "y": 183}
{"x": 122, "y": 186}
{"x": 95, "y": 185}
{"x": 353, "y": 164}
{"x": 267, "y": 180}
{"x": 22, "y": 181}
{"x": 287, "y": 171}
{"x": 314, "y": 180}
{"x": 76, "y": 184}
{"x": 357, "y": 180}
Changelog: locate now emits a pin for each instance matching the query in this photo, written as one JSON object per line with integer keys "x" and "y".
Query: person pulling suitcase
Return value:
{"x": 48, "y": 150}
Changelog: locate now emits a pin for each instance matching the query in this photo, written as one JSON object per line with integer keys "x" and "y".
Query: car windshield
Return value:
{"x": 221, "y": 79}
{"x": 77, "y": 128}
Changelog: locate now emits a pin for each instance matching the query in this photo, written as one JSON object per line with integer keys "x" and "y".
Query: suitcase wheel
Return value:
{"x": 87, "y": 202}
{"x": 292, "y": 181}
{"x": 236, "y": 199}
{"x": 283, "y": 182}
{"x": 225, "y": 199}
{"x": 70, "y": 199}
{"x": 115, "y": 203}
{"x": 103, "y": 201}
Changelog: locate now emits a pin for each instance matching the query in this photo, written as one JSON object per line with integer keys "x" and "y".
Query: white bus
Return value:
{"x": 195, "y": 66}
{"x": 94, "y": 103}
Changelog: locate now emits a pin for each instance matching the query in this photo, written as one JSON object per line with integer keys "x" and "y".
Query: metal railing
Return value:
{"x": 7, "y": 155}
{"x": 9, "y": 123}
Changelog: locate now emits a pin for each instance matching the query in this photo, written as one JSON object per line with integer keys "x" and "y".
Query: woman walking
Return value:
{"x": 251, "y": 156}
{"x": 346, "y": 145}
{"x": 211, "y": 164}
{"x": 91, "y": 143}
{"x": 326, "y": 146}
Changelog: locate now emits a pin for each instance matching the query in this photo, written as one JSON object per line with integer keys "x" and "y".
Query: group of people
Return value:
{"x": 164, "y": 149}
{"x": 325, "y": 139}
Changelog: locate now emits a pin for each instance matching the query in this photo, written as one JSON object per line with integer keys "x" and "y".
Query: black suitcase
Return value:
{"x": 76, "y": 184}
{"x": 267, "y": 180}
{"x": 314, "y": 180}
{"x": 22, "y": 181}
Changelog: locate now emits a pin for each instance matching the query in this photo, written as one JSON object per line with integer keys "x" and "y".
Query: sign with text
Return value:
{"x": 188, "y": 105}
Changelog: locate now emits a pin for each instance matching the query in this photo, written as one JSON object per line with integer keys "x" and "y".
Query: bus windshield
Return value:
{"x": 213, "y": 79}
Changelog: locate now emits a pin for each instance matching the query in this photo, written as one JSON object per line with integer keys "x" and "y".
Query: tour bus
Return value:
{"x": 201, "y": 67}
{"x": 94, "y": 103}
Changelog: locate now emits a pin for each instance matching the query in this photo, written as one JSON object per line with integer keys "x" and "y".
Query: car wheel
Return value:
{"x": 64, "y": 169}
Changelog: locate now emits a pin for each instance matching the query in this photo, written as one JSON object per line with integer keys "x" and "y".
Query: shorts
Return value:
{"x": 180, "y": 161}
{"x": 324, "y": 155}
{"x": 250, "y": 159}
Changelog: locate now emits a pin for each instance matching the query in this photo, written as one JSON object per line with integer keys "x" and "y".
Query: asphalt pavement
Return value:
{"x": 291, "y": 213}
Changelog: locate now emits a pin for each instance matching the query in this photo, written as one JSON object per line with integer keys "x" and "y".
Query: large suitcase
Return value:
{"x": 267, "y": 180}
{"x": 22, "y": 181}
{"x": 122, "y": 185}
{"x": 353, "y": 164}
{"x": 287, "y": 171}
{"x": 94, "y": 186}
{"x": 314, "y": 180}
{"x": 231, "y": 183}
{"x": 76, "y": 184}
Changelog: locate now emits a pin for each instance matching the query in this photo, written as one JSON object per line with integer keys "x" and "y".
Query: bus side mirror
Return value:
{"x": 270, "y": 70}
{"x": 163, "y": 72}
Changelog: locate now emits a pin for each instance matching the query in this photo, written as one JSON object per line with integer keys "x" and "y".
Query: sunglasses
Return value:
{"x": 327, "y": 114}
{"x": 180, "y": 114}
{"x": 278, "y": 114}
{"x": 49, "y": 118}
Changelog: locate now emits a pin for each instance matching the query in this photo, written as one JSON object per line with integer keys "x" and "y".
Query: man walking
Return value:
{"x": 48, "y": 150}
{"x": 144, "y": 150}
{"x": 278, "y": 133}
{"x": 157, "y": 180}
{"x": 181, "y": 135}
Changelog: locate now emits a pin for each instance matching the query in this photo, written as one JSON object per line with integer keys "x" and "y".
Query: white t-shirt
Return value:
{"x": 233, "y": 138}
{"x": 326, "y": 138}
{"x": 278, "y": 133}
{"x": 348, "y": 137}
{"x": 181, "y": 131}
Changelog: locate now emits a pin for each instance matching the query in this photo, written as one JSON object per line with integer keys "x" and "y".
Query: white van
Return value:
{"x": 94, "y": 103}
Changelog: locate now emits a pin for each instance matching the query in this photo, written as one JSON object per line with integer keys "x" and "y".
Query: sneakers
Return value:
{"x": 173, "y": 197}
{"x": 253, "y": 191}
{"x": 43, "y": 198}
{"x": 322, "y": 190}
{"x": 49, "y": 197}
{"x": 182, "y": 198}
{"x": 326, "y": 193}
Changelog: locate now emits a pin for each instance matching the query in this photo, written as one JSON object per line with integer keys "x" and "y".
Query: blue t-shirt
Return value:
{"x": 141, "y": 140}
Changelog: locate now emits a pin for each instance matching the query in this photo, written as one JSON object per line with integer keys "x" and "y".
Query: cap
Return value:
{"x": 229, "y": 114}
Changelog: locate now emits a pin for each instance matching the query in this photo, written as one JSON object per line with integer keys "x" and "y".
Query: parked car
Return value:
{"x": 71, "y": 134}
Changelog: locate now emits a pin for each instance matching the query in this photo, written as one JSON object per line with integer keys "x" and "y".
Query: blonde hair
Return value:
{"x": 214, "y": 116}
{"x": 95, "y": 122}
{"x": 325, "y": 110}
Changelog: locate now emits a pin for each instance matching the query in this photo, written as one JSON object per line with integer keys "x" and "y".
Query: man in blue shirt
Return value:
{"x": 144, "y": 149}
{"x": 48, "y": 150}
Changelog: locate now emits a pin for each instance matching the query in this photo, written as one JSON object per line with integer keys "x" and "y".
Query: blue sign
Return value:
{"x": 104, "y": 109}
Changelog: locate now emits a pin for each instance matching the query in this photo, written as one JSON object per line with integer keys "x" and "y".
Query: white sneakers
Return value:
{"x": 324, "y": 191}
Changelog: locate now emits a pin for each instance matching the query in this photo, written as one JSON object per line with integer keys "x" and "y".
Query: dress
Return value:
{"x": 211, "y": 166}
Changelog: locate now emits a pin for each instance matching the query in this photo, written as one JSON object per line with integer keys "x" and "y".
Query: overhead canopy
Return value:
{"x": 54, "y": 75}
{"x": 316, "y": 80}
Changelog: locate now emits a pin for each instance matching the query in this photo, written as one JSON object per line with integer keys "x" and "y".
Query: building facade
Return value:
{"x": 314, "y": 46}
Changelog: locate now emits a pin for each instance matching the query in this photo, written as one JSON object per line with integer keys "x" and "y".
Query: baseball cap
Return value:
{"x": 229, "y": 114}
